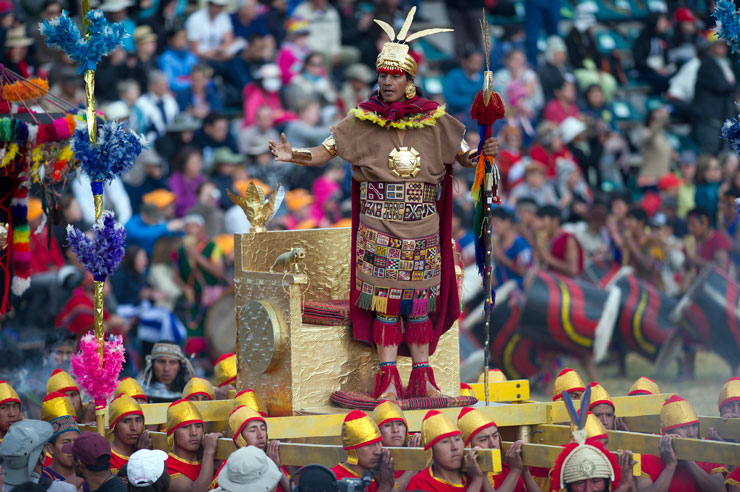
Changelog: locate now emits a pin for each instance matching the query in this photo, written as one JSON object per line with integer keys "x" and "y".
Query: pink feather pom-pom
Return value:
{"x": 99, "y": 381}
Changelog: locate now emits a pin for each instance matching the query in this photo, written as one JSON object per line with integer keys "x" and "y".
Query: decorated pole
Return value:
{"x": 487, "y": 108}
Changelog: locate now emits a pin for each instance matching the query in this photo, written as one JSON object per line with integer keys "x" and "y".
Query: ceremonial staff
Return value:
{"x": 487, "y": 108}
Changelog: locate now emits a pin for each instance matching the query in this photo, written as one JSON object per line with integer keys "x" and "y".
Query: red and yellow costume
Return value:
{"x": 180, "y": 414}
{"x": 121, "y": 406}
{"x": 225, "y": 370}
{"x": 733, "y": 480}
{"x": 677, "y": 412}
{"x": 132, "y": 388}
{"x": 358, "y": 430}
{"x": 644, "y": 386}
{"x": 251, "y": 399}
{"x": 435, "y": 427}
{"x": 471, "y": 421}
{"x": 198, "y": 386}
{"x": 569, "y": 381}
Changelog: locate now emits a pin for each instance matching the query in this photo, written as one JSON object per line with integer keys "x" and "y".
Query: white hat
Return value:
{"x": 117, "y": 110}
{"x": 570, "y": 128}
{"x": 268, "y": 71}
{"x": 222, "y": 3}
{"x": 145, "y": 467}
{"x": 248, "y": 468}
{"x": 115, "y": 5}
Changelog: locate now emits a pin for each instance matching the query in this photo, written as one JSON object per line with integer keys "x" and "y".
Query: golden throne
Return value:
{"x": 297, "y": 366}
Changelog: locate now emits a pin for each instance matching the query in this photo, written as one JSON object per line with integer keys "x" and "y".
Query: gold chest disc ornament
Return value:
{"x": 404, "y": 162}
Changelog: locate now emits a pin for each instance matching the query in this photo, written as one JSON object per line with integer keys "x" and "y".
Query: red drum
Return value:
{"x": 710, "y": 310}
{"x": 643, "y": 324}
{"x": 572, "y": 315}
{"x": 516, "y": 355}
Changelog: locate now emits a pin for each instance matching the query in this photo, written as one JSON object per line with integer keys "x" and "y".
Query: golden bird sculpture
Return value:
{"x": 258, "y": 209}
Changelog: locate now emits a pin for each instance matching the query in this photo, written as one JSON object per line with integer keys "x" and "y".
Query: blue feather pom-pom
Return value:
{"x": 731, "y": 134}
{"x": 728, "y": 23}
{"x": 63, "y": 33}
{"x": 101, "y": 254}
{"x": 114, "y": 155}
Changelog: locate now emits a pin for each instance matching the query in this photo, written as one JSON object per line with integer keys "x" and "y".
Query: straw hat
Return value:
{"x": 17, "y": 38}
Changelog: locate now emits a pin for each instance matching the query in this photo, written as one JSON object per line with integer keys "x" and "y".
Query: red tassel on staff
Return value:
{"x": 487, "y": 114}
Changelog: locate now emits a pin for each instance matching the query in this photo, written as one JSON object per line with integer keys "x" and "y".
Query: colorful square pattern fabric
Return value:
{"x": 398, "y": 202}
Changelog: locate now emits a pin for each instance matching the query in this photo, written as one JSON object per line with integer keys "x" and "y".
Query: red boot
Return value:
{"x": 421, "y": 374}
{"x": 387, "y": 375}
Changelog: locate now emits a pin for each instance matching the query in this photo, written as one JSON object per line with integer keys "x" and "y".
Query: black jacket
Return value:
{"x": 714, "y": 94}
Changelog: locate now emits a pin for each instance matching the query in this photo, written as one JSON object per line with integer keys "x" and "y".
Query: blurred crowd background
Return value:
{"x": 614, "y": 110}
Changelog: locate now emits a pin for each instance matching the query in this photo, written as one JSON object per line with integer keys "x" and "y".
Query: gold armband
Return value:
{"x": 330, "y": 145}
{"x": 464, "y": 148}
{"x": 301, "y": 155}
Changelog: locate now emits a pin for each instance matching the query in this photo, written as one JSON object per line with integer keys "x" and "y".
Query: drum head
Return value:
{"x": 220, "y": 326}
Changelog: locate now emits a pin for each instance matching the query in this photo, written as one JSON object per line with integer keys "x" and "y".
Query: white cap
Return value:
{"x": 115, "y": 5}
{"x": 145, "y": 467}
{"x": 570, "y": 128}
{"x": 116, "y": 111}
{"x": 268, "y": 71}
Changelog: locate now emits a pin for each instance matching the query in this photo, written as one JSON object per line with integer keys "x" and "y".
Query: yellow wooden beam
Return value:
{"x": 625, "y": 406}
{"x": 505, "y": 391}
{"x": 729, "y": 429}
{"x": 685, "y": 449}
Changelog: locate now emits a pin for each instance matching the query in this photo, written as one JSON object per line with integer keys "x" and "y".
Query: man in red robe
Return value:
{"x": 563, "y": 253}
{"x": 362, "y": 440}
{"x": 665, "y": 472}
{"x": 401, "y": 148}
{"x": 444, "y": 440}
{"x": 480, "y": 431}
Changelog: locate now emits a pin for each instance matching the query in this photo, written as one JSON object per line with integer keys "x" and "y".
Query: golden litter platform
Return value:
{"x": 294, "y": 366}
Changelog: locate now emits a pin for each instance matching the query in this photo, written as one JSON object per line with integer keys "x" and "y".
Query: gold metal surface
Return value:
{"x": 330, "y": 145}
{"x": 315, "y": 360}
{"x": 404, "y": 162}
{"x": 261, "y": 325}
{"x": 98, "y": 316}
{"x": 258, "y": 210}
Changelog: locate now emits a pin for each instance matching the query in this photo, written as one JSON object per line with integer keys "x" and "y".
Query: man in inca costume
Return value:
{"x": 401, "y": 148}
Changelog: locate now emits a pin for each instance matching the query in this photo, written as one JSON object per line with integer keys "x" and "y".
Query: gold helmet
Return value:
{"x": 251, "y": 399}
{"x": 471, "y": 421}
{"x": 239, "y": 419}
{"x": 730, "y": 392}
{"x": 179, "y": 414}
{"x": 644, "y": 386}
{"x": 569, "y": 381}
{"x": 132, "y": 388}
{"x": 198, "y": 386}
{"x": 56, "y": 404}
{"x": 61, "y": 381}
{"x": 225, "y": 370}
{"x": 494, "y": 376}
{"x": 122, "y": 406}
{"x": 676, "y": 412}
{"x": 358, "y": 430}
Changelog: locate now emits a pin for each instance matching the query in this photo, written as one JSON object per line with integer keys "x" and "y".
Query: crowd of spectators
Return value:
{"x": 606, "y": 151}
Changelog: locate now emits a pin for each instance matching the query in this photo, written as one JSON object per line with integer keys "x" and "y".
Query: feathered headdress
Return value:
{"x": 394, "y": 57}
